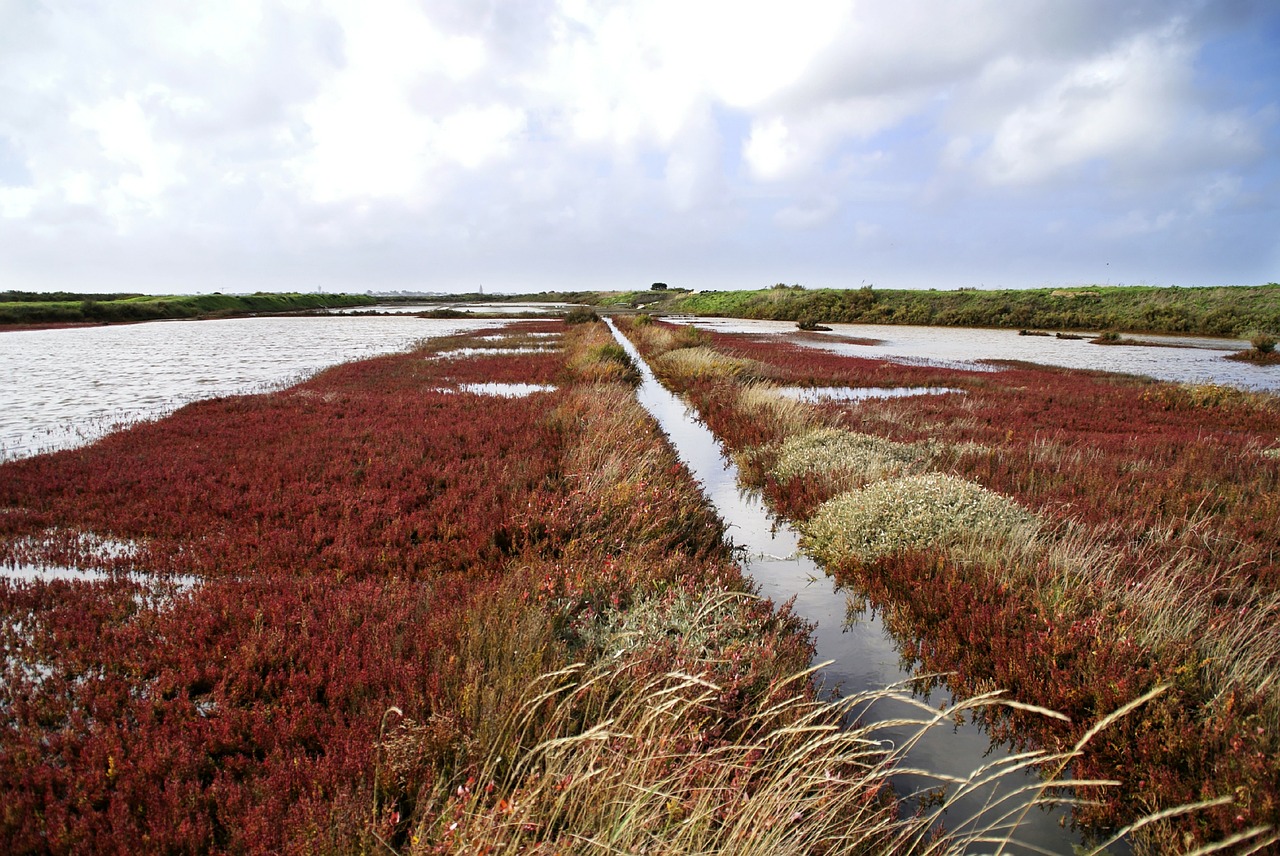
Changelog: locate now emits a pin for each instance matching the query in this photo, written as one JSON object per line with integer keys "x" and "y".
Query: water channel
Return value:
{"x": 863, "y": 654}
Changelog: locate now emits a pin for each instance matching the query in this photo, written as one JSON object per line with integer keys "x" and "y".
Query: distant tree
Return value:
{"x": 658, "y": 286}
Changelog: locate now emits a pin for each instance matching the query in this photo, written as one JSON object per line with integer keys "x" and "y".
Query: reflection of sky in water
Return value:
{"x": 818, "y": 394}
{"x": 462, "y": 353}
{"x": 503, "y": 390}
{"x": 541, "y": 308}
{"x": 864, "y": 657}
{"x": 48, "y": 573}
{"x": 66, "y": 387}
{"x": 959, "y": 347}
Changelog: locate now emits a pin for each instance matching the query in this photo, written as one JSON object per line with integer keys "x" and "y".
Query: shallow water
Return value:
{"x": 464, "y": 353}
{"x": 25, "y": 573}
{"x": 819, "y": 394}
{"x": 865, "y": 657}
{"x": 66, "y": 387}
{"x": 1201, "y": 360}
{"x": 502, "y": 390}
{"x": 542, "y": 308}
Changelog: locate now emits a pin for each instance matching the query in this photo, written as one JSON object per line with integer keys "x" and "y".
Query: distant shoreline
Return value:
{"x": 28, "y": 310}
{"x": 1232, "y": 311}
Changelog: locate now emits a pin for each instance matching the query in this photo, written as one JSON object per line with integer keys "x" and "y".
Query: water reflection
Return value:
{"x": 26, "y": 573}
{"x": 497, "y": 308}
{"x": 502, "y": 390}
{"x": 962, "y": 347}
{"x": 66, "y": 387}
{"x": 820, "y": 394}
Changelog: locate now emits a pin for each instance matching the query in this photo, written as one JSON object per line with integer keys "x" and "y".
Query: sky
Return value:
{"x": 523, "y": 145}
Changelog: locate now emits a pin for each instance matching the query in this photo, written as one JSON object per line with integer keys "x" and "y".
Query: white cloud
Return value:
{"x": 770, "y": 151}
{"x": 475, "y": 135}
{"x": 1136, "y": 223}
{"x": 1132, "y": 108}
{"x": 145, "y": 167}
{"x": 567, "y": 134}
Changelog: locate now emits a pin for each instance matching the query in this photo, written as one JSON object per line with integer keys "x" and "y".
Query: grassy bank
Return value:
{"x": 22, "y": 308}
{"x": 1226, "y": 311}
{"x": 1237, "y": 311}
{"x": 1076, "y": 538}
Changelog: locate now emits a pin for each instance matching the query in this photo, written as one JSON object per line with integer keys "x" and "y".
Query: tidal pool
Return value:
{"x": 504, "y": 390}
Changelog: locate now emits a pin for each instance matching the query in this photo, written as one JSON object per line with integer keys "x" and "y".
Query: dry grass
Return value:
{"x": 700, "y": 363}
{"x": 594, "y": 357}
{"x": 1209, "y": 395}
{"x": 621, "y": 762}
{"x": 787, "y": 415}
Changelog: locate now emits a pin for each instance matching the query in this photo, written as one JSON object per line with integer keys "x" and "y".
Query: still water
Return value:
{"x": 66, "y": 387}
{"x": 1191, "y": 360}
{"x": 499, "y": 308}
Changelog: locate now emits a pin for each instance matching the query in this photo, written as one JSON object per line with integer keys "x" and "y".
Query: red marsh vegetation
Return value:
{"x": 1140, "y": 551}
{"x": 367, "y": 612}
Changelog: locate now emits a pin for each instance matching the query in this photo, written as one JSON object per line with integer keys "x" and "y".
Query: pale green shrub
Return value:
{"x": 862, "y": 458}
{"x": 912, "y": 512}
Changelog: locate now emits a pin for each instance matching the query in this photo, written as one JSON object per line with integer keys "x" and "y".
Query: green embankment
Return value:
{"x": 62, "y": 308}
{"x": 1221, "y": 311}
{"x": 1239, "y": 311}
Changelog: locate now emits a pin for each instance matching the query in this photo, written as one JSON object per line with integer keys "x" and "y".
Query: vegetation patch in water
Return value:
{"x": 701, "y": 363}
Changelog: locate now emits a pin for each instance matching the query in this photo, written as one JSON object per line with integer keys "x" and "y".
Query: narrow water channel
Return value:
{"x": 863, "y": 654}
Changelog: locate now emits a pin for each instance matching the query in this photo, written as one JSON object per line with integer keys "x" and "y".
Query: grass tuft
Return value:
{"x": 701, "y": 363}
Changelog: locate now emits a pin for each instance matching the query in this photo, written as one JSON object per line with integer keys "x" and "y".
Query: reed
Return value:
{"x": 625, "y": 760}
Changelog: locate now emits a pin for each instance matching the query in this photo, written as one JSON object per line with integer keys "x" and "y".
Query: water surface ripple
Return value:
{"x": 1185, "y": 359}
{"x": 66, "y": 387}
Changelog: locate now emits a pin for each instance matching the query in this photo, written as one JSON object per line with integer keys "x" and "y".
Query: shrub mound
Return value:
{"x": 836, "y": 452}
{"x": 909, "y": 513}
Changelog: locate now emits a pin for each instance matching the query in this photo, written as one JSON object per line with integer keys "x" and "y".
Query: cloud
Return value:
{"x": 282, "y": 143}
{"x": 1132, "y": 106}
